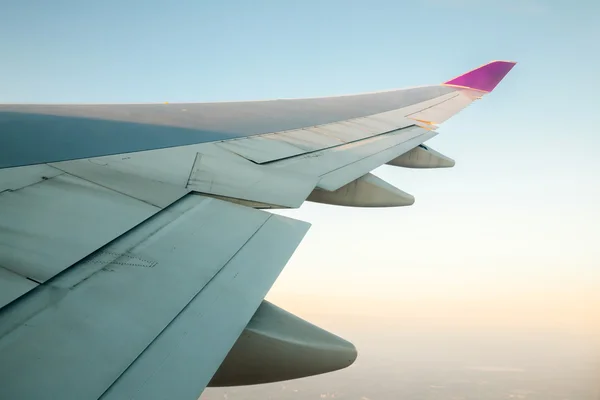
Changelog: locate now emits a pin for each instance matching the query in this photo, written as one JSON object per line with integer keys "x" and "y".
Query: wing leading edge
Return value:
{"x": 130, "y": 267}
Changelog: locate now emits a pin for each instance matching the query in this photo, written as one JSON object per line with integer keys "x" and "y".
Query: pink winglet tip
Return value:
{"x": 484, "y": 78}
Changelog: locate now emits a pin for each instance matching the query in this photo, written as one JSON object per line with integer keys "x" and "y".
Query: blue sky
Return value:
{"x": 517, "y": 218}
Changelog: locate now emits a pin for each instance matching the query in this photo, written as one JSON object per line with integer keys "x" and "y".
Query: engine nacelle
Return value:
{"x": 366, "y": 191}
{"x": 277, "y": 346}
{"x": 422, "y": 157}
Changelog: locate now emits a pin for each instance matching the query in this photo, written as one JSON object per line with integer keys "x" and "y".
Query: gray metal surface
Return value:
{"x": 260, "y": 149}
{"x": 182, "y": 360}
{"x": 173, "y": 277}
{"x": 48, "y": 226}
{"x": 13, "y": 286}
{"x": 126, "y": 181}
{"x": 441, "y": 109}
{"x": 337, "y": 178}
{"x": 272, "y": 147}
{"x": 218, "y": 172}
{"x": 17, "y": 178}
{"x": 31, "y": 134}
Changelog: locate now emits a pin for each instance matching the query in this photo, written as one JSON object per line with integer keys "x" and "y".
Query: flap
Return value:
{"x": 166, "y": 300}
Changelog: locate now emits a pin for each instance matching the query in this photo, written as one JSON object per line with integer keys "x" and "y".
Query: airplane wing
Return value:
{"x": 134, "y": 254}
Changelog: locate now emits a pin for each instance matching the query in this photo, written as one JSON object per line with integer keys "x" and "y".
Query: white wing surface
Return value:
{"x": 132, "y": 251}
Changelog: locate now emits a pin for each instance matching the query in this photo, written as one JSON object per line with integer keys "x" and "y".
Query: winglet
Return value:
{"x": 484, "y": 78}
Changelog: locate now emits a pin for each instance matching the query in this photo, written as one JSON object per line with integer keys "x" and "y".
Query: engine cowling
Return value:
{"x": 366, "y": 191}
{"x": 276, "y": 346}
{"x": 422, "y": 157}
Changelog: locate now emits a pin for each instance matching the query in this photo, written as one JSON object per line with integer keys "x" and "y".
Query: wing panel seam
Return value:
{"x": 308, "y": 153}
{"x": 184, "y": 308}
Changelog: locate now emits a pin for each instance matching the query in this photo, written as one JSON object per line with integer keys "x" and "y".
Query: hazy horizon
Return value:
{"x": 409, "y": 361}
